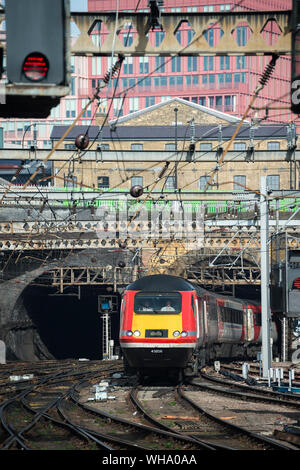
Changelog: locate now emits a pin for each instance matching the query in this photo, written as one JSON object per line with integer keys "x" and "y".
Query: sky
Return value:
{"x": 78, "y": 5}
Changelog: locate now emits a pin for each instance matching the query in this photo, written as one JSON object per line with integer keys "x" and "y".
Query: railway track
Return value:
{"x": 44, "y": 428}
{"x": 186, "y": 417}
{"x": 229, "y": 387}
{"x": 52, "y": 411}
{"x": 45, "y": 413}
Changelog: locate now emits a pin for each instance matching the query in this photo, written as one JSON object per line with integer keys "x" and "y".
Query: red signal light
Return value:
{"x": 296, "y": 283}
{"x": 36, "y": 67}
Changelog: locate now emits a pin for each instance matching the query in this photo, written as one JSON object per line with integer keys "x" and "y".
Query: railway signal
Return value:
{"x": 37, "y": 50}
{"x": 285, "y": 288}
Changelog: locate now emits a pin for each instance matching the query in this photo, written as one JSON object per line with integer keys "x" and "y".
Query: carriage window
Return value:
{"x": 230, "y": 315}
{"x": 157, "y": 303}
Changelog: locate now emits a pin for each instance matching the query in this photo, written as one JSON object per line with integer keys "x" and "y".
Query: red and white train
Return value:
{"x": 171, "y": 326}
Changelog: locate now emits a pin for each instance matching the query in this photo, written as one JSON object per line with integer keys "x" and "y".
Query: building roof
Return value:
{"x": 204, "y": 109}
{"x": 138, "y": 133}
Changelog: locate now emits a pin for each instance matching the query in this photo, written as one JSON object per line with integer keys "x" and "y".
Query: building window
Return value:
{"x": 133, "y": 104}
{"x": 179, "y": 80}
{"x": 88, "y": 112}
{"x": 73, "y": 86}
{"x": 225, "y": 7}
{"x": 159, "y": 37}
{"x": 203, "y": 182}
{"x": 159, "y": 64}
{"x": 170, "y": 182}
{"x": 70, "y": 147}
{"x": 228, "y": 77}
{"x": 208, "y": 62}
{"x": 273, "y": 182}
{"x": 224, "y": 62}
{"x": 147, "y": 82}
{"x": 227, "y": 103}
{"x": 239, "y": 180}
{"x": 70, "y": 108}
{"x": 128, "y": 65}
{"x": 202, "y": 100}
{"x": 103, "y": 182}
{"x": 70, "y": 181}
{"x": 209, "y": 36}
{"x": 239, "y": 146}
{"x": 192, "y": 64}
{"x": 241, "y": 35}
{"x": 176, "y": 64}
{"x": 96, "y": 66}
{"x": 170, "y": 147}
{"x": 136, "y": 146}
{"x": 163, "y": 82}
{"x": 205, "y": 146}
{"x": 219, "y": 103}
{"x": 127, "y": 39}
{"x": 149, "y": 101}
{"x": 137, "y": 181}
{"x": 274, "y": 145}
{"x": 241, "y": 62}
{"x": 124, "y": 82}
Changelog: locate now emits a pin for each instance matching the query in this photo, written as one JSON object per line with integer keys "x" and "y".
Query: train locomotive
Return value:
{"x": 171, "y": 327}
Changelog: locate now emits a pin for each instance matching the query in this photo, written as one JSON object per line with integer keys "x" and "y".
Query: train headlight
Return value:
{"x": 184, "y": 334}
{"x": 176, "y": 333}
{"x": 137, "y": 333}
{"x": 129, "y": 333}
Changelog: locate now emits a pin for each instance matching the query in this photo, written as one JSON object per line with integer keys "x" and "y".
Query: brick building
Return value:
{"x": 133, "y": 150}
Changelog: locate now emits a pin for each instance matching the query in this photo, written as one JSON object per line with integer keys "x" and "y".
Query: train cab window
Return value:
{"x": 157, "y": 303}
{"x": 193, "y": 307}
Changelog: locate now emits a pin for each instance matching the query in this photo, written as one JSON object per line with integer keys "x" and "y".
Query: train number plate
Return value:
{"x": 157, "y": 351}
{"x": 156, "y": 333}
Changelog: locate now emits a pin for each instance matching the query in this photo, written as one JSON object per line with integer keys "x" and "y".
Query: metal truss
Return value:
{"x": 171, "y": 23}
{"x": 68, "y": 276}
{"x": 220, "y": 275}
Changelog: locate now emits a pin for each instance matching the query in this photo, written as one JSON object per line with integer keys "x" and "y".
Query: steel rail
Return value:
{"x": 261, "y": 440}
{"x": 148, "y": 417}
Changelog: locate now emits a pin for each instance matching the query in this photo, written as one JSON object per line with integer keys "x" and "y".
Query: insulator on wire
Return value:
{"x": 161, "y": 174}
{"x": 114, "y": 69}
{"x": 136, "y": 191}
{"x": 269, "y": 70}
{"x": 82, "y": 141}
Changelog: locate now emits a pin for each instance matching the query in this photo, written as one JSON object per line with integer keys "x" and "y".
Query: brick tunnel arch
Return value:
{"x": 178, "y": 263}
{"x": 20, "y": 323}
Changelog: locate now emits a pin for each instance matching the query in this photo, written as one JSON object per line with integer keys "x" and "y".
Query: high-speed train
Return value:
{"x": 170, "y": 326}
